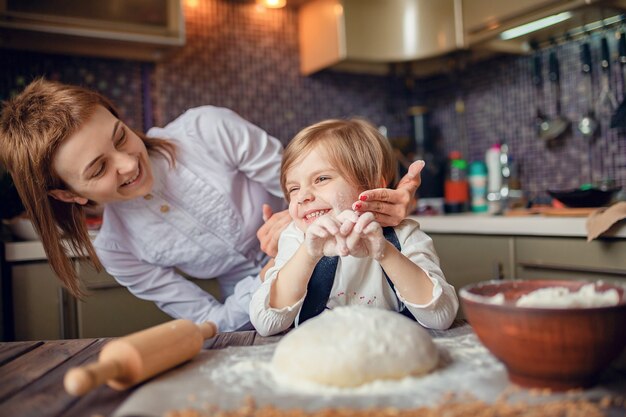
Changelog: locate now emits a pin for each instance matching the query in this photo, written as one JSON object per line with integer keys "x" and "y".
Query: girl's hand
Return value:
{"x": 269, "y": 233}
{"x": 364, "y": 235}
{"x": 390, "y": 207}
{"x": 323, "y": 238}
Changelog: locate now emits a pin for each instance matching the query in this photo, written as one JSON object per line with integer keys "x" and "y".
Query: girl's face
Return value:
{"x": 316, "y": 188}
{"x": 104, "y": 161}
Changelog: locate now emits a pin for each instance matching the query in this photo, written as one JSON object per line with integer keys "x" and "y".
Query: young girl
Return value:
{"x": 187, "y": 197}
{"x": 331, "y": 256}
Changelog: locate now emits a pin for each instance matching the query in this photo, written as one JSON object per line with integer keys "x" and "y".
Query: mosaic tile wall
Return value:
{"x": 245, "y": 58}
{"x": 118, "y": 80}
{"x": 500, "y": 106}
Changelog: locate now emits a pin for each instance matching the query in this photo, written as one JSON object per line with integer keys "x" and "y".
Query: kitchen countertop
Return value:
{"x": 24, "y": 251}
{"x": 484, "y": 224}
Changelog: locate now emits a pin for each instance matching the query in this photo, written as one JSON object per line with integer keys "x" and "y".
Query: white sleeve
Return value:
{"x": 241, "y": 145}
{"x": 440, "y": 312}
{"x": 173, "y": 293}
{"x": 265, "y": 319}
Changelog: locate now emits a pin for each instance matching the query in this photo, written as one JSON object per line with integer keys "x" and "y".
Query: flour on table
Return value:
{"x": 354, "y": 345}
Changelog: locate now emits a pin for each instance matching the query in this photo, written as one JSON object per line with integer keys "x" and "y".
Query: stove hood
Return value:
{"x": 368, "y": 35}
{"x": 335, "y": 32}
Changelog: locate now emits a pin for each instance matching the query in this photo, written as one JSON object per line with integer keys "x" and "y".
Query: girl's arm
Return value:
{"x": 415, "y": 272}
{"x": 409, "y": 279}
{"x": 292, "y": 280}
{"x": 365, "y": 236}
{"x": 321, "y": 238}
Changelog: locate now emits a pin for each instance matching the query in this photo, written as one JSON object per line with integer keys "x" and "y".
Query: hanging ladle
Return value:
{"x": 587, "y": 124}
{"x": 541, "y": 121}
{"x": 607, "y": 103}
{"x": 619, "y": 117}
{"x": 558, "y": 124}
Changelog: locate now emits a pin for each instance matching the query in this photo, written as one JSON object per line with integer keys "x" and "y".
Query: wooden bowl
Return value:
{"x": 556, "y": 348}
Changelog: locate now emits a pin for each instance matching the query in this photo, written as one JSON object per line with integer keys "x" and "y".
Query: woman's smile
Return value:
{"x": 135, "y": 180}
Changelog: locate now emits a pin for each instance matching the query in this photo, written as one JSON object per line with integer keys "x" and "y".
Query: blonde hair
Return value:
{"x": 32, "y": 126}
{"x": 354, "y": 147}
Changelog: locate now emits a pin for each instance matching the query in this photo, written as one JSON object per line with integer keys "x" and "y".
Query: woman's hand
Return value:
{"x": 390, "y": 207}
{"x": 269, "y": 233}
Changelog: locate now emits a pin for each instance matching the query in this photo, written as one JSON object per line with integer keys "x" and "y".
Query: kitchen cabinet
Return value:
{"x": 570, "y": 258}
{"x": 37, "y": 302}
{"x": 487, "y": 18}
{"x": 360, "y": 34}
{"x": 145, "y": 30}
{"x": 43, "y": 309}
{"x": 467, "y": 259}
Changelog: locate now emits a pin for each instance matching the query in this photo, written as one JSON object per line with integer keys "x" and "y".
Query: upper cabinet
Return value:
{"x": 371, "y": 33}
{"x": 132, "y": 29}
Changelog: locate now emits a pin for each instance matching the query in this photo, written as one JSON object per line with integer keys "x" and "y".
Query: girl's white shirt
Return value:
{"x": 200, "y": 218}
{"x": 361, "y": 281}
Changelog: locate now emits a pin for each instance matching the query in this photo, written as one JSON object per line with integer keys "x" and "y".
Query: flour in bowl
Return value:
{"x": 561, "y": 297}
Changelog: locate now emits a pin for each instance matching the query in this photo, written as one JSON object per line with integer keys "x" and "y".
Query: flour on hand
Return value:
{"x": 354, "y": 345}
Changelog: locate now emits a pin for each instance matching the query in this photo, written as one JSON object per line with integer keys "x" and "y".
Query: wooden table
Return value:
{"x": 31, "y": 374}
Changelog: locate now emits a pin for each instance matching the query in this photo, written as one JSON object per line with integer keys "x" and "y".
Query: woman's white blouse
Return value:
{"x": 361, "y": 281}
{"x": 200, "y": 218}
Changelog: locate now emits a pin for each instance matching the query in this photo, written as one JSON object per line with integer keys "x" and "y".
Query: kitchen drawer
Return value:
{"x": 37, "y": 302}
{"x": 110, "y": 310}
{"x": 466, "y": 259}
{"x": 570, "y": 258}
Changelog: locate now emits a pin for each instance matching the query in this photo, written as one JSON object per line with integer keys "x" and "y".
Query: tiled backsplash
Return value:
{"x": 246, "y": 58}
{"x": 500, "y": 106}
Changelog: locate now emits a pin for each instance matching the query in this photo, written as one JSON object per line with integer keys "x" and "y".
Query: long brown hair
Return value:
{"x": 32, "y": 126}
{"x": 355, "y": 147}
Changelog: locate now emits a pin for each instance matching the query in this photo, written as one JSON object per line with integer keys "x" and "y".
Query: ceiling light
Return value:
{"x": 534, "y": 26}
{"x": 272, "y": 4}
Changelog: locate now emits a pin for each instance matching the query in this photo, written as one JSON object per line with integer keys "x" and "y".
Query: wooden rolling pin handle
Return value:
{"x": 208, "y": 329}
{"x": 79, "y": 381}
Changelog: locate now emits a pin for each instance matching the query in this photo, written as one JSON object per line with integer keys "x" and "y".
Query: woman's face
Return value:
{"x": 104, "y": 161}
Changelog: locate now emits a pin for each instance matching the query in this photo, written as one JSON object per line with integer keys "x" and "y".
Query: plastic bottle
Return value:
{"x": 494, "y": 177}
{"x": 478, "y": 186}
{"x": 456, "y": 187}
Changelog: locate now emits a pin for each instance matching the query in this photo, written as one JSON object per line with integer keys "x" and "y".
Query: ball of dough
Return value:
{"x": 354, "y": 345}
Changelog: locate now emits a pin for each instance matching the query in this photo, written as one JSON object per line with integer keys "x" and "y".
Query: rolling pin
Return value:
{"x": 132, "y": 359}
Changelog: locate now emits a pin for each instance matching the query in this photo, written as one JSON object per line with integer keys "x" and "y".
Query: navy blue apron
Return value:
{"x": 323, "y": 277}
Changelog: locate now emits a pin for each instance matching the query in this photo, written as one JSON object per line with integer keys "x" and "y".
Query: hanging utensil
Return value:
{"x": 619, "y": 116}
{"x": 558, "y": 124}
{"x": 587, "y": 124}
{"x": 607, "y": 103}
{"x": 541, "y": 121}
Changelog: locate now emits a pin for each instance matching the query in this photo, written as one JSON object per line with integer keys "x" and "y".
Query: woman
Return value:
{"x": 184, "y": 198}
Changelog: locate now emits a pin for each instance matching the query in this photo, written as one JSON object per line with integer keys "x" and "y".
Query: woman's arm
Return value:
{"x": 389, "y": 206}
{"x": 172, "y": 293}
